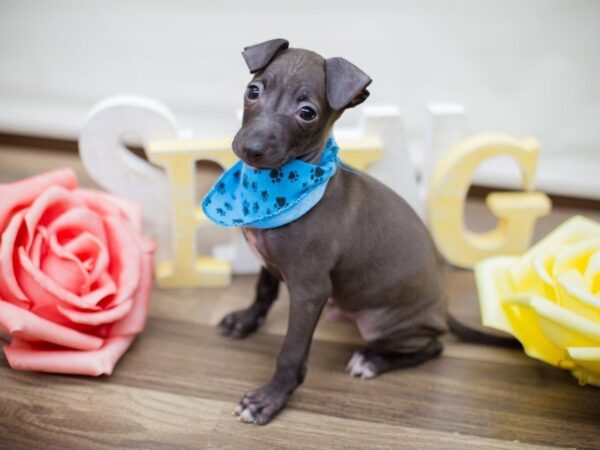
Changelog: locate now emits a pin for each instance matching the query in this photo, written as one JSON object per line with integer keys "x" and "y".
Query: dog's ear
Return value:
{"x": 259, "y": 55}
{"x": 346, "y": 84}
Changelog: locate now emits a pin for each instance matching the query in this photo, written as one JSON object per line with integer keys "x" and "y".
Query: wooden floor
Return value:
{"x": 179, "y": 383}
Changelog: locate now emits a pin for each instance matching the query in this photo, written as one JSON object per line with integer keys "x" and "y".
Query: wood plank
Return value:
{"x": 18, "y": 163}
{"x": 530, "y": 403}
{"x": 74, "y": 413}
{"x": 207, "y": 306}
{"x": 300, "y": 430}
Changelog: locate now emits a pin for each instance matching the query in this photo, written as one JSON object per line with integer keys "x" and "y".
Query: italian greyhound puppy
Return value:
{"x": 362, "y": 246}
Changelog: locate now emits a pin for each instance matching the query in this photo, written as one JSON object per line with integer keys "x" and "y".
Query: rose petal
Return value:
{"x": 77, "y": 221}
{"x": 87, "y": 247}
{"x": 9, "y": 287}
{"x": 66, "y": 269}
{"x": 96, "y": 318}
{"x": 40, "y": 288}
{"x": 53, "y": 203}
{"x": 49, "y": 312}
{"x": 93, "y": 363}
{"x": 23, "y": 324}
{"x": 575, "y": 296}
{"x": 107, "y": 204}
{"x": 146, "y": 244}
{"x": 130, "y": 209}
{"x": 22, "y": 193}
{"x": 39, "y": 240}
{"x": 135, "y": 321}
{"x": 592, "y": 273}
{"x": 106, "y": 287}
{"x": 543, "y": 263}
{"x": 97, "y": 201}
{"x": 125, "y": 257}
{"x": 575, "y": 256}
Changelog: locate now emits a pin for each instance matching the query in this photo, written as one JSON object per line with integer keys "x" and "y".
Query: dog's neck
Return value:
{"x": 315, "y": 154}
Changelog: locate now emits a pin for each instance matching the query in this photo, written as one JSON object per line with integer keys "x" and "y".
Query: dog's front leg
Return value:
{"x": 243, "y": 322}
{"x": 308, "y": 295}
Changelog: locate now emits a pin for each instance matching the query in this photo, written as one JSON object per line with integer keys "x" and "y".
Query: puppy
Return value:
{"x": 361, "y": 245}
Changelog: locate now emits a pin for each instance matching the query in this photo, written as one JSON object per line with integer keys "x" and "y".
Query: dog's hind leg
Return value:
{"x": 398, "y": 338}
{"x": 371, "y": 361}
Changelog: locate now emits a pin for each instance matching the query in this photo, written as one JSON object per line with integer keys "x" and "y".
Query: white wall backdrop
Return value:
{"x": 522, "y": 67}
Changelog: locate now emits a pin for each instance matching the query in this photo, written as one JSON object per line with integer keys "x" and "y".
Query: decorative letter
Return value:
{"x": 119, "y": 171}
{"x": 178, "y": 157}
{"x": 516, "y": 212}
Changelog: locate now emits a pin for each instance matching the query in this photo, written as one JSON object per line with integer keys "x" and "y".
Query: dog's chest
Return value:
{"x": 256, "y": 244}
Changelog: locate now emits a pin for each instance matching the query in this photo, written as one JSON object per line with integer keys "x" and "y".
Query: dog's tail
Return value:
{"x": 471, "y": 335}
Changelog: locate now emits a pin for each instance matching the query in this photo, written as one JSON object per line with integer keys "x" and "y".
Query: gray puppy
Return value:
{"x": 362, "y": 246}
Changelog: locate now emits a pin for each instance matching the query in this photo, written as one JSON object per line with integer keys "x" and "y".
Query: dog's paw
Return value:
{"x": 240, "y": 324}
{"x": 261, "y": 405}
{"x": 360, "y": 366}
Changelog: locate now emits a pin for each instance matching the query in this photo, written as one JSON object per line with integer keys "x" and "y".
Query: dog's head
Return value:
{"x": 292, "y": 102}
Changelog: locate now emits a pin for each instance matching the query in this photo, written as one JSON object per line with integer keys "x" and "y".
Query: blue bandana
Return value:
{"x": 264, "y": 198}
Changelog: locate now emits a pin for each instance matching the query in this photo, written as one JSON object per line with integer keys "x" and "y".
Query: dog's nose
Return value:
{"x": 254, "y": 150}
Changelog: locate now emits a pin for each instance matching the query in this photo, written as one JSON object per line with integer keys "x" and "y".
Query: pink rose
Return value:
{"x": 75, "y": 275}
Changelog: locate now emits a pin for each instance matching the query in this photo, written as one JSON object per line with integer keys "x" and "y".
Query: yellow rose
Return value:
{"x": 549, "y": 298}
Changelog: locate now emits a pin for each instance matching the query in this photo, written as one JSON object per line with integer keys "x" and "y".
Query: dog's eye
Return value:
{"x": 253, "y": 92}
{"x": 307, "y": 113}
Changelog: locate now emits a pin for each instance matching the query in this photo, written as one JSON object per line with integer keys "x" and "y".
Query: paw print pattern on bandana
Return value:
{"x": 293, "y": 176}
{"x": 267, "y": 198}
{"x": 280, "y": 202}
{"x": 316, "y": 174}
{"x": 276, "y": 175}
